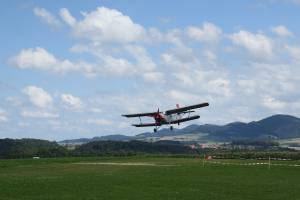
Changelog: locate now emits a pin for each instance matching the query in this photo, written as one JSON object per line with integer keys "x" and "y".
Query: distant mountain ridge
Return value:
{"x": 275, "y": 127}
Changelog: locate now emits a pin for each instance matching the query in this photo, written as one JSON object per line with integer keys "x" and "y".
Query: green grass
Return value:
{"x": 187, "y": 179}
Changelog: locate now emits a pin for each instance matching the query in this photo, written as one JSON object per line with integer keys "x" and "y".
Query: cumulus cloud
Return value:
{"x": 185, "y": 73}
{"x": 38, "y": 114}
{"x": 100, "y": 122}
{"x": 257, "y": 45}
{"x": 40, "y": 59}
{"x": 154, "y": 77}
{"x": 272, "y": 103}
{"x": 282, "y": 31}
{"x": 174, "y": 36}
{"x": 184, "y": 79}
{"x": 294, "y": 52}
{"x": 199, "y": 75}
{"x": 3, "y": 115}
{"x": 96, "y": 110}
{"x": 67, "y": 17}
{"x": 141, "y": 56}
{"x": 248, "y": 86}
{"x": 71, "y": 101}
{"x": 207, "y": 33}
{"x": 38, "y": 96}
{"x": 219, "y": 86}
{"x": 108, "y": 25}
{"x": 117, "y": 66}
{"x": 46, "y": 17}
{"x": 183, "y": 96}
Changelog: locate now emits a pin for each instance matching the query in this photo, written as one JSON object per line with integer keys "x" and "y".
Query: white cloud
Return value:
{"x": 67, "y": 17}
{"x": 38, "y": 114}
{"x": 71, "y": 101}
{"x": 3, "y": 116}
{"x": 38, "y": 96}
{"x": 154, "y": 35}
{"x": 117, "y": 66}
{"x": 248, "y": 86}
{"x": 183, "y": 97}
{"x": 237, "y": 88}
{"x": 174, "y": 36}
{"x": 210, "y": 56}
{"x": 40, "y": 59}
{"x": 207, "y": 33}
{"x": 100, "y": 122}
{"x": 272, "y": 103}
{"x": 141, "y": 56}
{"x": 14, "y": 101}
{"x": 258, "y": 45}
{"x": 294, "y": 52}
{"x": 46, "y": 17}
{"x": 23, "y": 124}
{"x": 184, "y": 79}
{"x": 96, "y": 110}
{"x": 154, "y": 77}
{"x": 282, "y": 31}
{"x": 220, "y": 86}
{"x": 108, "y": 25}
{"x": 180, "y": 58}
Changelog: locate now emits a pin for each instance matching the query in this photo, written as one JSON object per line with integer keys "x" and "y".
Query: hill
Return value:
{"x": 273, "y": 127}
{"x": 276, "y": 127}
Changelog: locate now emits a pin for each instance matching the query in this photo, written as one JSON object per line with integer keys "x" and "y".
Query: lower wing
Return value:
{"x": 145, "y": 125}
{"x": 185, "y": 119}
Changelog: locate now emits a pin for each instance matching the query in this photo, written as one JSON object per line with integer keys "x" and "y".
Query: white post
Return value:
{"x": 269, "y": 162}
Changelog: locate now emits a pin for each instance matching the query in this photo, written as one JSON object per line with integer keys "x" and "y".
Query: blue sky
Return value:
{"x": 69, "y": 69}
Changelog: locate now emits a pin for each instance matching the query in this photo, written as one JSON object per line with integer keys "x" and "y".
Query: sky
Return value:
{"x": 69, "y": 69}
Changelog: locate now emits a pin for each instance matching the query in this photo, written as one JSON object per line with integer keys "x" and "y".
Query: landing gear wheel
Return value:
{"x": 171, "y": 128}
{"x": 155, "y": 130}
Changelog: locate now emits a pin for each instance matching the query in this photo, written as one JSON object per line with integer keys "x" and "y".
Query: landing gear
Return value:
{"x": 155, "y": 130}
{"x": 171, "y": 128}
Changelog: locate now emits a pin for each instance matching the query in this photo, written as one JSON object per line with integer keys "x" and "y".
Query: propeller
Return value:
{"x": 157, "y": 114}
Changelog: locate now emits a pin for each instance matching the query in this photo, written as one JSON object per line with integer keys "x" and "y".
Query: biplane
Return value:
{"x": 169, "y": 117}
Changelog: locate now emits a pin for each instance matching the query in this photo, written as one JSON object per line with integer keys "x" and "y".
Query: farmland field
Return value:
{"x": 146, "y": 178}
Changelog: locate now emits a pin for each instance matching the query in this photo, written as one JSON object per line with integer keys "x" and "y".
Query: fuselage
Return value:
{"x": 161, "y": 118}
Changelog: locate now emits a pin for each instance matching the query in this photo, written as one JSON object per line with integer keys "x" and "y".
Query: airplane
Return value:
{"x": 169, "y": 117}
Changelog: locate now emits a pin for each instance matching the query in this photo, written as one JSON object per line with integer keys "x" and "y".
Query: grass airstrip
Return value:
{"x": 147, "y": 178}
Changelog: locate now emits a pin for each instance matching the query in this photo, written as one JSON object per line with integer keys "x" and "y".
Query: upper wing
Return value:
{"x": 150, "y": 114}
{"x": 180, "y": 110}
{"x": 144, "y": 125}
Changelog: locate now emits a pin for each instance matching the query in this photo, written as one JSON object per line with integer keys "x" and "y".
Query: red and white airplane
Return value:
{"x": 169, "y": 117}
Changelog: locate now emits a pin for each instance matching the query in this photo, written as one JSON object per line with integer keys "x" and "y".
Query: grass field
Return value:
{"x": 145, "y": 178}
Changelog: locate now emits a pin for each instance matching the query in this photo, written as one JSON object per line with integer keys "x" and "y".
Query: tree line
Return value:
{"x": 28, "y": 148}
